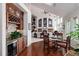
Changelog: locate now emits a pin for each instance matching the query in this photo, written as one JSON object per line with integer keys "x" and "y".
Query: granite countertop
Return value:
{"x": 8, "y": 42}
{"x": 12, "y": 41}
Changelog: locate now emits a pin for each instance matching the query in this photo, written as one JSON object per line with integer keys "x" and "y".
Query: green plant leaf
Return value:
{"x": 75, "y": 34}
{"x": 15, "y": 35}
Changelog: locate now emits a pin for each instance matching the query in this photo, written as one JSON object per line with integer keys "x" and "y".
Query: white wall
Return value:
{"x": 0, "y": 29}
{"x": 3, "y": 29}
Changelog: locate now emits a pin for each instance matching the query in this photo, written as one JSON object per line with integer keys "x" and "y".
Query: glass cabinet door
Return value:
{"x": 40, "y": 23}
{"x": 45, "y": 22}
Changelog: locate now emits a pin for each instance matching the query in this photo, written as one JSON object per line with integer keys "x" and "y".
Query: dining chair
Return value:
{"x": 46, "y": 42}
{"x": 41, "y": 35}
{"x": 64, "y": 44}
{"x": 48, "y": 45}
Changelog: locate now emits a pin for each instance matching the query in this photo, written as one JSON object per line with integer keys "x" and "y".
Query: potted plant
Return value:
{"x": 75, "y": 35}
{"x": 15, "y": 35}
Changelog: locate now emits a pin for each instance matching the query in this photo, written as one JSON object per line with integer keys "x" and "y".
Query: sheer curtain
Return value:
{"x": 70, "y": 24}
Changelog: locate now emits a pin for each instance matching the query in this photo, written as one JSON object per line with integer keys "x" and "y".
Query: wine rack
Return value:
{"x": 14, "y": 16}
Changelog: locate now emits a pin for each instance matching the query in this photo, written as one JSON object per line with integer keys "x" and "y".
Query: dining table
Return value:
{"x": 54, "y": 41}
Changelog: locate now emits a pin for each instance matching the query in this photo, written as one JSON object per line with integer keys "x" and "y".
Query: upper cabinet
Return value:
{"x": 45, "y": 22}
{"x": 14, "y": 15}
{"x": 40, "y": 23}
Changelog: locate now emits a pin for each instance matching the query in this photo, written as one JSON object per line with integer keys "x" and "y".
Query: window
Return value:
{"x": 72, "y": 24}
{"x": 57, "y": 23}
{"x": 77, "y": 21}
{"x": 50, "y": 22}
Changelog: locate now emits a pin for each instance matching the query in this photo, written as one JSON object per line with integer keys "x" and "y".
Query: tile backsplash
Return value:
{"x": 11, "y": 28}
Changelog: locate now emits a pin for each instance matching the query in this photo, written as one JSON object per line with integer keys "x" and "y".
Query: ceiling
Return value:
{"x": 61, "y": 9}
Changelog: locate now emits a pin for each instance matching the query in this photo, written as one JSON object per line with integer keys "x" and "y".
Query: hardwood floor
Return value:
{"x": 36, "y": 49}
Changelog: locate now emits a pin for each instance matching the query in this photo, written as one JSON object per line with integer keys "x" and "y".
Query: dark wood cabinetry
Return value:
{"x": 20, "y": 45}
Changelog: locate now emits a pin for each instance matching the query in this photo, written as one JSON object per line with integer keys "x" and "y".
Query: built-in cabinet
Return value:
{"x": 14, "y": 16}
{"x": 15, "y": 47}
{"x": 42, "y": 24}
{"x": 45, "y": 24}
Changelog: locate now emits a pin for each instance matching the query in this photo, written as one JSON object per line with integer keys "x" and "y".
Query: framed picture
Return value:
{"x": 45, "y": 22}
{"x": 49, "y": 22}
{"x": 40, "y": 23}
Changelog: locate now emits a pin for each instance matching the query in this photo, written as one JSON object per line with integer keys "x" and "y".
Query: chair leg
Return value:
{"x": 65, "y": 50}
{"x": 46, "y": 50}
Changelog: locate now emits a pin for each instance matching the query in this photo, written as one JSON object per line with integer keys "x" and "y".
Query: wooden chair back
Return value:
{"x": 68, "y": 42}
{"x": 46, "y": 42}
{"x": 64, "y": 44}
